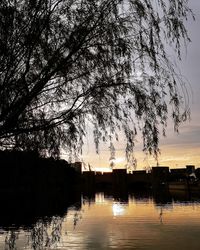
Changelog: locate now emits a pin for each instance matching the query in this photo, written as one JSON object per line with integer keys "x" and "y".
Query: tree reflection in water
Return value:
{"x": 161, "y": 215}
{"x": 34, "y": 221}
{"x": 76, "y": 219}
{"x": 44, "y": 234}
{"x": 10, "y": 240}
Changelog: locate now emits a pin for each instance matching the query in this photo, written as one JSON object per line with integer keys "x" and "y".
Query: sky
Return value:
{"x": 177, "y": 150}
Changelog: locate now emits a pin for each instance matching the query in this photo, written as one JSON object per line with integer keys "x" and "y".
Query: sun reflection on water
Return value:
{"x": 118, "y": 209}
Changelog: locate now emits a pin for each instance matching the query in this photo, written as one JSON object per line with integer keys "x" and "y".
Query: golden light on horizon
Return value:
{"x": 173, "y": 156}
{"x": 177, "y": 151}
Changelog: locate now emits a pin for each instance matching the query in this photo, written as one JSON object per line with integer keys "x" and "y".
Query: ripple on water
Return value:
{"x": 107, "y": 223}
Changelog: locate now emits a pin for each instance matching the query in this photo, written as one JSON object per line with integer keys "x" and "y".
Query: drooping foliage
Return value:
{"x": 67, "y": 64}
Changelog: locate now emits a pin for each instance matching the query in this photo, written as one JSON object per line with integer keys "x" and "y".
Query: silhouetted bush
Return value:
{"x": 27, "y": 171}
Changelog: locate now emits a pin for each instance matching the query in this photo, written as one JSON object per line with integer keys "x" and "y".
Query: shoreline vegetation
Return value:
{"x": 26, "y": 171}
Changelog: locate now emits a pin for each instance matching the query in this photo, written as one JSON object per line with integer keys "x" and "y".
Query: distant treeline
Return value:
{"x": 27, "y": 171}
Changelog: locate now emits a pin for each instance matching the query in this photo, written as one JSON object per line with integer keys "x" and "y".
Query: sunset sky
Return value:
{"x": 177, "y": 150}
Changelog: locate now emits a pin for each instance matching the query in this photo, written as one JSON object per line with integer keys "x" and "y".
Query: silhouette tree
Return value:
{"x": 67, "y": 64}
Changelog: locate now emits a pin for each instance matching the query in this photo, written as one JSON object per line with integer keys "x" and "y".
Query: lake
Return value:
{"x": 104, "y": 220}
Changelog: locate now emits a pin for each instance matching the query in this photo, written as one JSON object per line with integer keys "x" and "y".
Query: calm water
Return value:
{"x": 134, "y": 221}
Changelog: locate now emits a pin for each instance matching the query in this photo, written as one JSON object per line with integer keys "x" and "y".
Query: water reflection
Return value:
{"x": 100, "y": 198}
{"x": 103, "y": 221}
{"x": 10, "y": 240}
{"x": 118, "y": 209}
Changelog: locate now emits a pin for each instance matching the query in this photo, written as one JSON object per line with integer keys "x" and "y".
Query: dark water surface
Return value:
{"x": 131, "y": 221}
